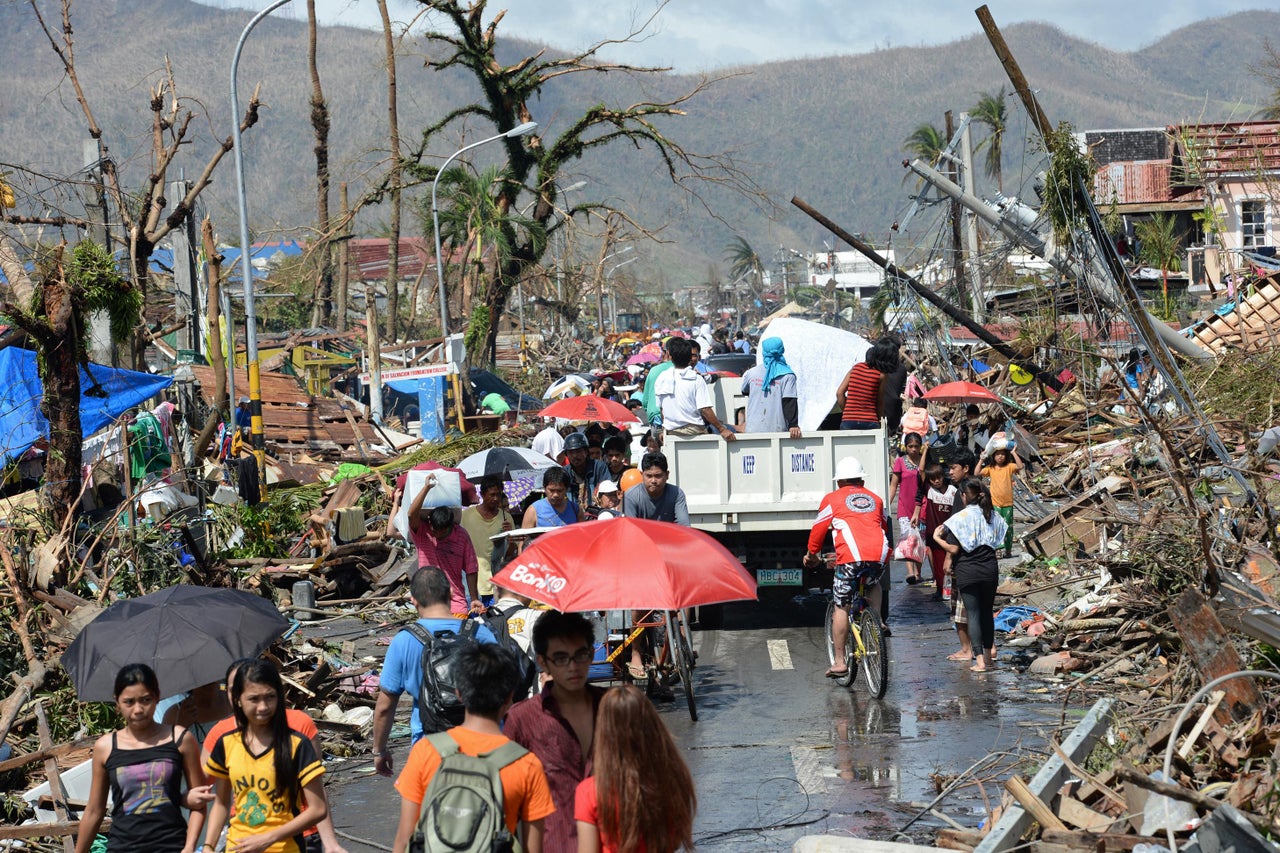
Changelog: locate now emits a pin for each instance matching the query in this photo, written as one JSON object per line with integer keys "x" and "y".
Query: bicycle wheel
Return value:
{"x": 849, "y": 661}
{"x": 875, "y": 661}
{"x": 682, "y": 655}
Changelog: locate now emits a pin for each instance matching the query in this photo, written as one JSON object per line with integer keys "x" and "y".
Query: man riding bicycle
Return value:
{"x": 860, "y": 533}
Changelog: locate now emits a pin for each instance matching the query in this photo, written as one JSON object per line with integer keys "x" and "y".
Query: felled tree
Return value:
{"x": 64, "y": 293}
{"x": 534, "y": 162}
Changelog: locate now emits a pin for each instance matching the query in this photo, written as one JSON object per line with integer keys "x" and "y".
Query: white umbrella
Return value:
{"x": 565, "y": 385}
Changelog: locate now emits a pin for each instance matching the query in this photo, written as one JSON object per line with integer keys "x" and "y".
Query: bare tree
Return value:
{"x": 321, "y": 304}
{"x": 393, "y": 134}
{"x": 470, "y": 43}
{"x": 145, "y": 212}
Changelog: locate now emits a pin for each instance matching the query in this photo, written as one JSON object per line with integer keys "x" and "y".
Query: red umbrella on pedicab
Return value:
{"x": 652, "y": 349}
{"x": 961, "y": 392}
{"x": 627, "y": 563}
{"x": 589, "y": 407}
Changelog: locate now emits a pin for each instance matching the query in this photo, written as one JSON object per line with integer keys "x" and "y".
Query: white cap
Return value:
{"x": 607, "y": 487}
{"x": 657, "y": 336}
{"x": 849, "y": 468}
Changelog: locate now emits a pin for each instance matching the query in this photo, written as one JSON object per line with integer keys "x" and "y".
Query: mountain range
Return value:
{"x": 829, "y": 130}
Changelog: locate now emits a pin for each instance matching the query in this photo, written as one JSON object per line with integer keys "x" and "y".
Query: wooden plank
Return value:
{"x": 59, "y": 751}
{"x": 1076, "y": 813}
{"x": 1039, "y": 809}
{"x": 1215, "y": 699}
{"x": 1209, "y": 644}
{"x": 51, "y": 772}
{"x": 62, "y": 829}
{"x": 1009, "y": 829}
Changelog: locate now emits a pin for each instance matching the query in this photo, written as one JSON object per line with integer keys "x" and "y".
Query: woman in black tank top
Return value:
{"x": 144, "y": 766}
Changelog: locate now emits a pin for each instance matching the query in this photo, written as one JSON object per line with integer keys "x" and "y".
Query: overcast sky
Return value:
{"x": 693, "y": 35}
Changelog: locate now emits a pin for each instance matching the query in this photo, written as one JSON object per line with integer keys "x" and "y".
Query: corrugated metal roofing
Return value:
{"x": 1133, "y": 182}
{"x": 1207, "y": 151}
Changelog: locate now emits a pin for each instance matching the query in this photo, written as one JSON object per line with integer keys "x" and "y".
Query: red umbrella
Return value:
{"x": 960, "y": 392}
{"x": 627, "y": 563}
{"x": 589, "y": 407}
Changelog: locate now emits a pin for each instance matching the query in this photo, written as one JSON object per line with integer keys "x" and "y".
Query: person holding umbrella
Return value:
{"x": 144, "y": 765}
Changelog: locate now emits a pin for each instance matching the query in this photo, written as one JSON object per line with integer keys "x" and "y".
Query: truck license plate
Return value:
{"x": 779, "y": 577}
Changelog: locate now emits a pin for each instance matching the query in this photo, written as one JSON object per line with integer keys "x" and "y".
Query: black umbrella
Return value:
{"x": 188, "y": 634}
{"x": 504, "y": 462}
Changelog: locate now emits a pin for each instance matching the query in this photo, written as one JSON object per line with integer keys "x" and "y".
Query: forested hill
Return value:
{"x": 829, "y": 130}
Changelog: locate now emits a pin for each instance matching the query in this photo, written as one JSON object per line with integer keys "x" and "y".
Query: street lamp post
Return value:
{"x": 613, "y": 294}
{"x": 600, "y": 292}
{"x": 518, "y": 130}
{"x": 246, "y": 268}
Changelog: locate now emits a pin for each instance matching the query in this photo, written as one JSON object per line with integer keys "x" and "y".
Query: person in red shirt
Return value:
{"x": 855, "y": 516}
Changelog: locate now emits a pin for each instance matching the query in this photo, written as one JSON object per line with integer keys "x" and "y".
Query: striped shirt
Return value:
{"x": 861, "y": 397}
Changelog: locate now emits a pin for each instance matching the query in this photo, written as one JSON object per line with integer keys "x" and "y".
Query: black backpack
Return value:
{"x": 439, "y": 707}
{"x": 526, "y": 669}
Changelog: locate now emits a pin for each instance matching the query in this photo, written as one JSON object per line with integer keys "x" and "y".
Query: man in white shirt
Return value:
{"x": 685, "y": 398}
{"x": 549, "y": 442}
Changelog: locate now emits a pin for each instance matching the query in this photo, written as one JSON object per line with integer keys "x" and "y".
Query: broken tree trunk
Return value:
{"x": 27, "y": 685}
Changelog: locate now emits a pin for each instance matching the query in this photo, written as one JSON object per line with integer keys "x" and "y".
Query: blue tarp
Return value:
{"x": 22, "y": 424}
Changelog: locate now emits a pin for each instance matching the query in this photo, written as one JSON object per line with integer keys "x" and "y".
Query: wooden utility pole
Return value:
{"x": 928, "y": 295}
{"x": 1038, "y": 119}
{"x": 344, "y": 256}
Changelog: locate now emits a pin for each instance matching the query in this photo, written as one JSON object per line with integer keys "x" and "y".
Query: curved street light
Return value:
{"x": 518, "y": 130}
{"x": 246, "y": 271}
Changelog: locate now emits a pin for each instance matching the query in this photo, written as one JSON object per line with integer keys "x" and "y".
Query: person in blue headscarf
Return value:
{"x": 773, "y": 403}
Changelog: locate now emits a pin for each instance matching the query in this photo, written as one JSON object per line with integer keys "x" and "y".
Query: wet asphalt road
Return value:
{"x": 780, "y": 751}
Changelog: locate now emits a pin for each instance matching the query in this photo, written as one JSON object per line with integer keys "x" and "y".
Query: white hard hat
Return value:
{"x": 849, "y": 468}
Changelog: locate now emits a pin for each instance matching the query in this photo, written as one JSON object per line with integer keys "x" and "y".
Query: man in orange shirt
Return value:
{"x": 860, "y": 534}
{"x": 486, "y": 676}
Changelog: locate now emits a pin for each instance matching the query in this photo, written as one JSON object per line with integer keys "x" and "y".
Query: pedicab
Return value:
{"x": 625, "y": 565}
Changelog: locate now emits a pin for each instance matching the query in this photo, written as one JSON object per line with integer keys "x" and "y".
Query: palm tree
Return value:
{"x": 473, "y": 218}
{"x": 990, "y": 110}
{"x": 1160, "y": 244}
{"x": 745, "y": 264}
{"x": 925, "y": 142}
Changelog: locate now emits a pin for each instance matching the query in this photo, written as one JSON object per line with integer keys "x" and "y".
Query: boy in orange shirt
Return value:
{"x": 487, "y": 676}
{"x": 1004, "y": 464}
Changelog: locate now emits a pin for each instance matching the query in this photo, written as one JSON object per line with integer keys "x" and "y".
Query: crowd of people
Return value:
{"x": 504, "y": 720}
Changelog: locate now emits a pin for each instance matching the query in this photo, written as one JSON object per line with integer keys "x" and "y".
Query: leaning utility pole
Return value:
{"x": 957, "y": 253}
{"x": 186, "y": 286}
{"x": 928, "y": 295}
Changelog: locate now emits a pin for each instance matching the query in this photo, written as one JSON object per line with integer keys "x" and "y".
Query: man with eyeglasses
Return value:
{"x": 557, "y": 725}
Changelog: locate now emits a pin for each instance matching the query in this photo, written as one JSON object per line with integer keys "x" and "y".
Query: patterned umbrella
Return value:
{"x": 519, "y": 488}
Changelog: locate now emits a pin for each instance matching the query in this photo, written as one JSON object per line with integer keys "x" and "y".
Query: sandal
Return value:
{"x": 637, "y": 671}
{"x": 960, "y": 656}
{"x": 837, "y": 673}
{"x": 976, "y": 668}
{"x": 912, "y": 580}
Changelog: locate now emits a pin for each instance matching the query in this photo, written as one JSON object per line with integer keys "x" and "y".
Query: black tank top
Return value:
{"x": 146, "y": 788}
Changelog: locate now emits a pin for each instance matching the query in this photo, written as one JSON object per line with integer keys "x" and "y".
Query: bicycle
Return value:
{"x": 672, "y": 652}
{"x": 865, "y": 646}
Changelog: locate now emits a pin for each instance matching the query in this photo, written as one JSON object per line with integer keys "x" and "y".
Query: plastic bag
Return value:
{"x": 910, "y": 547}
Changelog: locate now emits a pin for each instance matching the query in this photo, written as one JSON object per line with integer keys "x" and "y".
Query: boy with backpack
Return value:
{"x": 511, "y": 620}
{"x": 421, "y": 660}
{"x": 471, "y": 787}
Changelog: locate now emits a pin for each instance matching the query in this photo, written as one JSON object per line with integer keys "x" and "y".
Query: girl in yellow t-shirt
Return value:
{"x": 1004, "y": 464}
{"x": 268, "y": 777}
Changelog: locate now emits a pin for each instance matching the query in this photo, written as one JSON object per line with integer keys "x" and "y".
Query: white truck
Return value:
{"x": 759, "y": 495}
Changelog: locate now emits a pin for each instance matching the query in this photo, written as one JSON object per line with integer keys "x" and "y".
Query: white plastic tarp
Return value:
{"x": 820, "y": 355}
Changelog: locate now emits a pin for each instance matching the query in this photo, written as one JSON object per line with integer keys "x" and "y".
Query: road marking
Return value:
{"x": 779, "y": 655}
{"x": 808, "y": 770}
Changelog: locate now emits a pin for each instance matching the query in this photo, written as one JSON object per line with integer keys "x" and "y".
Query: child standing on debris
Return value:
{"x": 1004, "y": 464}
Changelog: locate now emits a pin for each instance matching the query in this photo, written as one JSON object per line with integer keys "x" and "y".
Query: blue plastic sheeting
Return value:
{"x": 431, "y": 398}
{"x": 979, "y": 366}
{"x": 1010, "y": 617}
{"x": 22, "y": 424}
